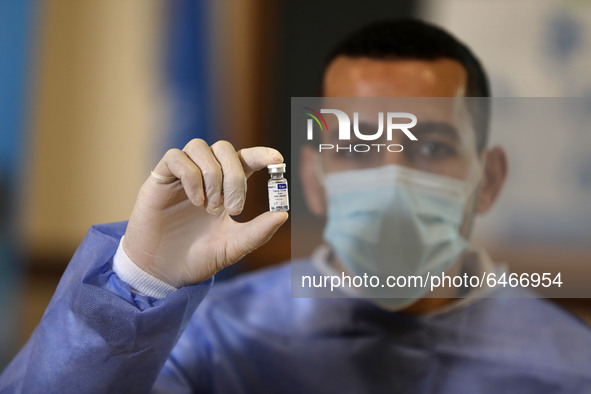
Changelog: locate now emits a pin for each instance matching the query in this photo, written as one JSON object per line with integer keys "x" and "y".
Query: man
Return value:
{"x": 144, "y": 319}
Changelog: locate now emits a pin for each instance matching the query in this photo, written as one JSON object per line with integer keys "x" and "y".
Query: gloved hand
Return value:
{"x": 180, "y": 229}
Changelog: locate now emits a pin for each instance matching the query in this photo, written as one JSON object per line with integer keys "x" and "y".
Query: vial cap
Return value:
{"x": 276, "y": 168}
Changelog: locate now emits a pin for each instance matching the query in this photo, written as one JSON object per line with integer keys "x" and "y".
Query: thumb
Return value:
{"x": 259, "y": 230}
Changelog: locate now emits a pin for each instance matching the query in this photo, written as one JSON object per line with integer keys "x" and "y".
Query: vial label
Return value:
{"x": 278, "y": 198}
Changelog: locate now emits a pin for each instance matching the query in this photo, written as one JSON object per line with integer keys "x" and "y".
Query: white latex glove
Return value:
{"x": 180, "y": 229}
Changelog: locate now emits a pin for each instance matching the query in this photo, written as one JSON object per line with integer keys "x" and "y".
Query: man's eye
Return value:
{"x": 435, "y": 149}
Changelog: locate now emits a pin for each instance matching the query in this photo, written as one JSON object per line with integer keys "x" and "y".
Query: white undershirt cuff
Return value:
{"x": 139, "y": 280}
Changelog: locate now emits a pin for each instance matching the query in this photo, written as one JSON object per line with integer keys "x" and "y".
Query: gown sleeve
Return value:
{"x": 98, "y": 336}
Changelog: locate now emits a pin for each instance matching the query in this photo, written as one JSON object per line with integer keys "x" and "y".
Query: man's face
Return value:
{"x": 446, "y": 140}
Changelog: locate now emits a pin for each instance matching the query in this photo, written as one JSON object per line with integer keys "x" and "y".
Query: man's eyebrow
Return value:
{"x": 437, "y": 128}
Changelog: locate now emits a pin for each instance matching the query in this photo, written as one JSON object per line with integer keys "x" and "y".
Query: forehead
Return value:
{"x": 366, "y": 77}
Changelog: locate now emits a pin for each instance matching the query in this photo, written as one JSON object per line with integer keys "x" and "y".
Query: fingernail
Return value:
{"x": 213, "y": 211}
{"x": 238, "y": 206}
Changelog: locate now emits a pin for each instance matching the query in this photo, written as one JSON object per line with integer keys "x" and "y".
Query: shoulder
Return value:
{"x": 263, "y": 300}
{"x": 257, "y": 298}
{"x": 524, "y": 332}
{"x": 520, "y": 308}
{"x": 275, "y": 279}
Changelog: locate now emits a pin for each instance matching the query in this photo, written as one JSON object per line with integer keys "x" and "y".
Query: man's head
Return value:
{"x": 405, "y": 58}
{"x": 409, "y": 58}
{"x": 410, "y": 44}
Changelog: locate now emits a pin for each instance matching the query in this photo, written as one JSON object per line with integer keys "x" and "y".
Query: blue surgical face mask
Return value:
{"x": 393, "y": 220}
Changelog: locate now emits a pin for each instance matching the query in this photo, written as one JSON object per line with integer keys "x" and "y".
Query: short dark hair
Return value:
{"x": 405, "y": 39}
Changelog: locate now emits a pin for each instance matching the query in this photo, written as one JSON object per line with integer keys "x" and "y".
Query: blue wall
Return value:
{"x": 16, "y": 33}
{"x": 188, "y": 76}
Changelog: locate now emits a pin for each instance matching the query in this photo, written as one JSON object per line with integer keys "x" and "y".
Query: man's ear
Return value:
{"x": 313, "y": 189}
{"x": 493, "y": 178}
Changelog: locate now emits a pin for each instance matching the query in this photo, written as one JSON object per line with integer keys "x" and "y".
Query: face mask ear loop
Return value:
{"x": 318, "y": 170}
{"x": 476, "y": 179}
{"x": 319, "y": 173}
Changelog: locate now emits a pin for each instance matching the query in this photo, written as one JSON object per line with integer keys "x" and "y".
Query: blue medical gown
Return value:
{"x": 249, "y": 335}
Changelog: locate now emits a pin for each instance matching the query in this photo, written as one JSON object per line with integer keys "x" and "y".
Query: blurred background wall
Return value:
{"x": 16, "y": 41}
{"x": 94, "y": 92}
{"x": 541, "y": 50}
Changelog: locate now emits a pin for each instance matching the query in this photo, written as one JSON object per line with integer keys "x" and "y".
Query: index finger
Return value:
{"x": 259, "y": 157}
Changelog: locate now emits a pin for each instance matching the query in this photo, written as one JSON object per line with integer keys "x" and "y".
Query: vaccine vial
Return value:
{"x": 277, "y": 185}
